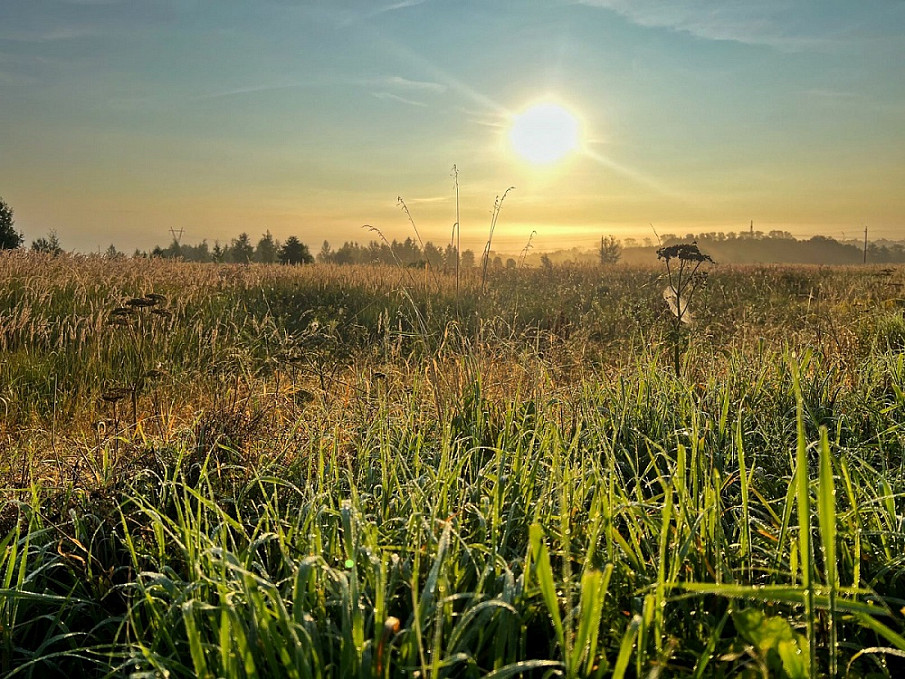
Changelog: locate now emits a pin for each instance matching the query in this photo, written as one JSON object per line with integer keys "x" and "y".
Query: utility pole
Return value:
{"x": 176, "y": 237}
{"x": 865, "y": 245}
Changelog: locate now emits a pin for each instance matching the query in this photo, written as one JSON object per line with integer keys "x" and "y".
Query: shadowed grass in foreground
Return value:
{"x": 639, "y": 525}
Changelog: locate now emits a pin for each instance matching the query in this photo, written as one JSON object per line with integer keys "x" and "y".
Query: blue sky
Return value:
{"x": 122, "y": 119}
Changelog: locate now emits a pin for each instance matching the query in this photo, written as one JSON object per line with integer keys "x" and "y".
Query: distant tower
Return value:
{"x": 865, "y": 245}
{"x": 177, "y": 235}
{"x": 752, "y": 227}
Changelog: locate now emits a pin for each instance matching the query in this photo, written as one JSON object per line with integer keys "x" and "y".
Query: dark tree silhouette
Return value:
{"x": 267, "y": 249}
{"x": 241, "y": 249}
{"x": 610, "y": 250}
{"x": 295, "y": 252}
{"x": 9, "y": 237}
{"x": 49, "y": 245}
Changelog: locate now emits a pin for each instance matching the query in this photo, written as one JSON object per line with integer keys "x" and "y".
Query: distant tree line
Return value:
{"x": 404, "y": 253}
{"x": 779, "y": 247}
{"x": 268, "y": 250}
{"x": 239, "y": 250}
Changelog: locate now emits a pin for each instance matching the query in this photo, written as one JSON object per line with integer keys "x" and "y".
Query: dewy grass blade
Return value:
{"x": 826, "y": 514}
{"x": 196, "y": 646}
{"x": 594, "y": 586}
{"x": 625, "y": 648}
{"x": 884, "y": 631}
{"x": 743, "y": 483}
{"x": 786, "y": 594}
{"x": 803, "y": 502}
{"x": 540, "y": 558}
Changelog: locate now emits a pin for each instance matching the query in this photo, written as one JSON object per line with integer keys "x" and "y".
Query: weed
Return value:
{"x": 683, "y": 279}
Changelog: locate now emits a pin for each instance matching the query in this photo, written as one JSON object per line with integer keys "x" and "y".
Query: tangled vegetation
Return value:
{"x": 375, "y": 472}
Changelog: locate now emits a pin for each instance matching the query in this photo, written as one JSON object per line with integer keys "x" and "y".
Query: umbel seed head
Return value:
{"x": 684, "y": 252}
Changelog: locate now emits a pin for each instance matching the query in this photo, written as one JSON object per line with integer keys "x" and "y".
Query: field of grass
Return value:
{"x": 375, "y": 472}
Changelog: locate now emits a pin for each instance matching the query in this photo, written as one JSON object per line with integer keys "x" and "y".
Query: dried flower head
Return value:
{"x": 157, "y": 298}
{"x": 684, "y": 252}
{"x": 115, "y": 394}
{"x": 140, "y": 302}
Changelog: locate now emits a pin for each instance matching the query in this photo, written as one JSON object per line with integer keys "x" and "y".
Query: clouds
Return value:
{"x": 398, "y": 5}
{"x": 408, "y": 88}
{"x": 50, "y": 34}
{"x": 356, "y": 11}
{"x": 389, "y": 96}
{"x": 789, "y": 25}
{"x": 416, "y": 85}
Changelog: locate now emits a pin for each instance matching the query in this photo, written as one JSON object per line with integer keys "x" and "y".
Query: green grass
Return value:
{"x": 511, "y": 485}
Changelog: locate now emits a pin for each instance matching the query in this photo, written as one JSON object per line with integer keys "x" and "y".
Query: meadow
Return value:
{"x": 350, "y": 471}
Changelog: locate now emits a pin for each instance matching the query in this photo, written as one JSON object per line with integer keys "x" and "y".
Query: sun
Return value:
{"x": 544, "y": 134}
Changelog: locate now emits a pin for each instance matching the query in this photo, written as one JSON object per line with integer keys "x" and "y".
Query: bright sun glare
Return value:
{"x": 544, "y": 133}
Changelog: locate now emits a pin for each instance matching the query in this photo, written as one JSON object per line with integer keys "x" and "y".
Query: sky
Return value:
{"x": 123, "y": 119}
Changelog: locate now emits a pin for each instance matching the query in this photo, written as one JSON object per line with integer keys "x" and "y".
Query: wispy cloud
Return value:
{"x": 369, "y": 12}
{"x": 429, "y": 200}
{"x": 384, "y": 87}
{"x": 49, "y": 34}
{"x": 791, "y": 25}
{"x": 397, "y": 5}
{"x": 399, "y": 83}
{"x": 254, "y": 89}
{"x": 389, "y": 96}
{"x": 493, "y": 120}
{"x": 440, "y": 75}
{"x": 406, "y": 84}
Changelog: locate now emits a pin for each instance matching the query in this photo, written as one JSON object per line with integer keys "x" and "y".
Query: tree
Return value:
{"x": 295, "y": 252}
{"x": 610, "y": 251}
{"x": 449, "y": 258}
{"x": 197, "y": 253}
{"x": 325, "y": 256}
{"x": 49, "y": 245}
{"x": 10, "y": 239}
{"x": 241, "y": 249}
{"x": 174, "y": 251}
{"x": 266, "y": 252}
{"x": 432, "y": 255}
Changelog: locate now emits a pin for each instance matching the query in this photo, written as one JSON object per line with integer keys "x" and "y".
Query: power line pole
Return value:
{"x": 176, "y": 238}
{"x": 865, "y": 245}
